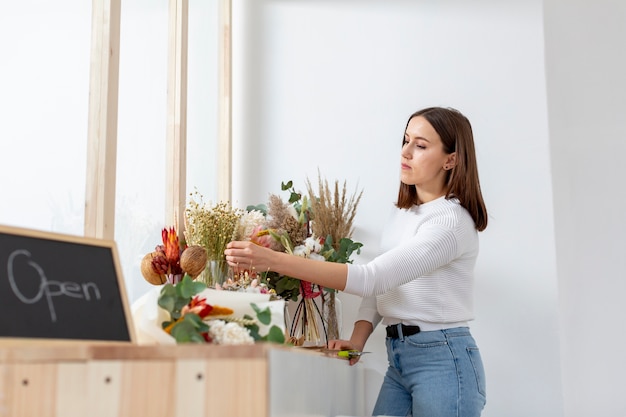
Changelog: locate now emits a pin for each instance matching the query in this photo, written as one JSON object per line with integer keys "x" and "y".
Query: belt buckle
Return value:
{"x": 392, "y": 331}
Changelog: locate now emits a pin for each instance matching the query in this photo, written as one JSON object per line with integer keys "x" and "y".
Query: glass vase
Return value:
{"x": 333, "y": 315}
{"x": 306, "y": 324}
{"x": 215, "y": 273}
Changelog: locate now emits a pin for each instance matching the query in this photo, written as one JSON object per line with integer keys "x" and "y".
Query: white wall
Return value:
{"x": 329, "y": 85}
{"x": 587, "y": 102}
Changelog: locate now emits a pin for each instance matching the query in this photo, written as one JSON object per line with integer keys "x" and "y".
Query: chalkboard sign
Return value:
{"x": 55, "y": 286}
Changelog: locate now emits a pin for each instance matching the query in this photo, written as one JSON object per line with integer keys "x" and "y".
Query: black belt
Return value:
{"x": 392, "y": 331}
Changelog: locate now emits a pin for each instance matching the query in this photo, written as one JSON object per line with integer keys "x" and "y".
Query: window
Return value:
{"x": 45, "y": 106}
{"x": 44, "y": 79}
{"x": 142, "y": 122}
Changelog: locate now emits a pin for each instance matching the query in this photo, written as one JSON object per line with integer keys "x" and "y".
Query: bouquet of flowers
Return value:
{"x": 316, "y": 226}
{"x": 185, "y": 311}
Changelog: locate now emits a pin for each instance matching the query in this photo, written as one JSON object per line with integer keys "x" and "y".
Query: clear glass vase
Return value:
{"x": 307, "y": 326}
{"x": 333, "y": 315}
{"x": 215, "y": 273}
{"x": 313, "y": 320}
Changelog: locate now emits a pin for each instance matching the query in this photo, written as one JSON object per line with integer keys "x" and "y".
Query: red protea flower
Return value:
{"x": 171, "y": 248}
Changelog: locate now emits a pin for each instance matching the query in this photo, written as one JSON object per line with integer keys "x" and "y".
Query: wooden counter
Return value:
{"x": 119, "y": 380}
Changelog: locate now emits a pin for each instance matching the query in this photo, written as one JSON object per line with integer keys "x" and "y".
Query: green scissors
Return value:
{"x": 349, "y": 354}
{"x": 342, "y": 353}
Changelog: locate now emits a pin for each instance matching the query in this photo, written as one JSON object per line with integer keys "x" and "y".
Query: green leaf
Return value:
{"x": 167, "y": 298}
{"x": 187, "y": 287}
{"x": 346, "y": 248}
{"x": 288, "y": 287}
{"x": 189, "y": 329}
{"x": 196, "y": 321}
{"x": 283, "y": 238}
{"x": 275, "y": 335}
{"x": 259, "y": 207}
{"x": 286, "y": 242}
{"x": 294, "y": 197}
{"x": 286, "y": 186}
{"x": 264, "y": 316}
{"x": 253, "y": 329}
{"x": 174, "y": 297}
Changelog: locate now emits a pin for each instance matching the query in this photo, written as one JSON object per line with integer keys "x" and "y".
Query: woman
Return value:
{"x": 421, "y": 288}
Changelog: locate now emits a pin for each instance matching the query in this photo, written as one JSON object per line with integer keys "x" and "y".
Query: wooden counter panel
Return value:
{"x": 260, "y": 380}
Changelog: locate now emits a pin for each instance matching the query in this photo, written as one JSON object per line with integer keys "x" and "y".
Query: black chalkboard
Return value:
{"x": 55, "y": 286}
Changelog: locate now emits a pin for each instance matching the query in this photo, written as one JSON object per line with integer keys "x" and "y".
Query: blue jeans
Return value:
{"x": 433, "y": 374}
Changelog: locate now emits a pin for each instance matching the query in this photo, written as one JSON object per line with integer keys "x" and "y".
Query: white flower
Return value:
{"x": 317, "y": 257}
{"x": 313, "y": 244}
{"x": 230, "y": 333}
{"x": 302, "y": 250}
{"x": 309, "y": 249}
{"x": 247, "y": 222}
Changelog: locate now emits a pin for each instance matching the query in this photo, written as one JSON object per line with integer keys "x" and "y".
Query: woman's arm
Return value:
{"x": 361, "y": 332}
{"x": 243, "y": 254}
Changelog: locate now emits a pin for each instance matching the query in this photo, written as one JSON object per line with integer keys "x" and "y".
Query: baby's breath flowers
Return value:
{"x": 211, "y": 226}
{"x": 229, "y": 333}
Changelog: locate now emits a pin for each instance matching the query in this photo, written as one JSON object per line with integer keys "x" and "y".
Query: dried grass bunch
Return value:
{"x": 211, "y": 226}
{"x": 283, "y": 217}
{"x": 333, "y": 210}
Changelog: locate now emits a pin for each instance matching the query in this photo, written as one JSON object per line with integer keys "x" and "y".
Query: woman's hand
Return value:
{"x": 245, "y": 255}
{"x": 248, "y": 255}
{"x": 344, "y": 345}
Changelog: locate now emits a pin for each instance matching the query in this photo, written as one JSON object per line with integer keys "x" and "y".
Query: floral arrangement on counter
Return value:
{"x": 192, "y": 319}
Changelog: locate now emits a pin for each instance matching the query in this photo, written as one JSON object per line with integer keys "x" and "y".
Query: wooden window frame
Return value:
{"x": 103, "y": 108}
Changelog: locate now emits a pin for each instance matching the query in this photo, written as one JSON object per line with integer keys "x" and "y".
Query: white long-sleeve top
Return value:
{"x": 425, "y": 276}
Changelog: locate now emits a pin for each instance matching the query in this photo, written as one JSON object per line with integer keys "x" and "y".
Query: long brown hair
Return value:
{"x": 462, "y": 182}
